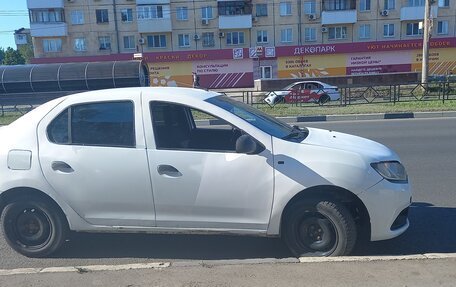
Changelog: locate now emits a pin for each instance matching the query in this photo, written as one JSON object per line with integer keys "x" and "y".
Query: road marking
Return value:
{"x": 84, "y": 269}
{"x": 161, "y": 265}
{"x": 377, "y": 258}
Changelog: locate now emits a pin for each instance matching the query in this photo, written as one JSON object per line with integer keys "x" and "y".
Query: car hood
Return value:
{"x": 371, "y": 150}
{"x": 280, "y": 93}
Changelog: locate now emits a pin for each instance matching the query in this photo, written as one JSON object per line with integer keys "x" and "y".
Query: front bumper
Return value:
{"x": 387, "y": 204}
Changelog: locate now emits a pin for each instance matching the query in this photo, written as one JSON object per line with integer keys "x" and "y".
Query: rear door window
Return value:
{"x": 95, "y": 124}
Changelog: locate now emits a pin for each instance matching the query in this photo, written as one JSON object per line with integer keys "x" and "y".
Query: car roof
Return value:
{"x": 310, "y": 81}
{"x": 198, "y": 94}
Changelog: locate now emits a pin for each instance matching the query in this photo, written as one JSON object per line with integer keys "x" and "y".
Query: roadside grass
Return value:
{"x": 282, "y": 110}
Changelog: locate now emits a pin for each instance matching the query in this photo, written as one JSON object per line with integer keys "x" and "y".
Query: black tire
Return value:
{"x": 323, "y": 99}
{"x": 319, "y": 228}
{"x": 34, "y": 227}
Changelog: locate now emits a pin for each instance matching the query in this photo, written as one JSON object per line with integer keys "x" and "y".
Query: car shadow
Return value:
{"x": 432, "y": 230}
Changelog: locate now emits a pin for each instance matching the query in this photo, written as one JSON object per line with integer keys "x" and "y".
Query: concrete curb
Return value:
{"x": 362, "y": 117}
{"x": 227, "y": 262}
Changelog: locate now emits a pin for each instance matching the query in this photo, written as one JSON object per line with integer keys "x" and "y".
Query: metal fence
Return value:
{"x": 350, "y": 95}
{"x": 357, "y": 95}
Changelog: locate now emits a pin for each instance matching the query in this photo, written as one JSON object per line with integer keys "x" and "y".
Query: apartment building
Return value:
{"x": 231, "y": 43}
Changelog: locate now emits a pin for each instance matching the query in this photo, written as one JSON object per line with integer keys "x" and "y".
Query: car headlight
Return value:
{"x": 393, "y": 171}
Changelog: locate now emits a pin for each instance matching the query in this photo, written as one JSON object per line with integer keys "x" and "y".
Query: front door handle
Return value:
{"x": 61, "y": 166}
{"x": 168, "y": 171}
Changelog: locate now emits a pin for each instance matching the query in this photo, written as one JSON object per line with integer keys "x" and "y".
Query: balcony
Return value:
{"x": 156, "y": 25}
{"x": 153, "y": 2}
{"x": 56, "y": 29}
{"x": 417, "y": 13}
{"x": 235, "y": 21}
{"x": 33, "y": 4}
{"x": 338, "y": 17}
{"x": 338, "y": 12}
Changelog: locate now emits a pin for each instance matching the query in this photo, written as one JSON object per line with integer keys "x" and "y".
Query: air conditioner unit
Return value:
{"x": 254, "y": 19}
{"x": 221, "y": 35}
{"x": 196, "y": 37}
{"x": 324, "y": 29}
{"x": 312, "y": 16}
{"x": 384, "y": 13}
{"x": 141, "y": 41}
{"x": 205, "y": 22}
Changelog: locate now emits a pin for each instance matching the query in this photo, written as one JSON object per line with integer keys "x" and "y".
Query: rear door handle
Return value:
{"x": 168, "y": 171}
{"x": 61, "y": 166}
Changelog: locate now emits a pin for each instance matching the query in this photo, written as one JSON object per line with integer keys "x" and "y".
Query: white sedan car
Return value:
{"x": 304, "y": 92}
{"x": 145, "y": 160}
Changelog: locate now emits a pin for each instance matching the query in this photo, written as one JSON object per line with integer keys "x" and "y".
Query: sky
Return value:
{"x": 13, "y": 16}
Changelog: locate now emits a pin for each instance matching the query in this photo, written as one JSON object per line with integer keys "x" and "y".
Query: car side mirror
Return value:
{"x": 246, "y": 144}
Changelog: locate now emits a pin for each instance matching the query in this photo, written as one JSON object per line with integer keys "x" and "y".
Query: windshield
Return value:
{"x": 257, "y": 118}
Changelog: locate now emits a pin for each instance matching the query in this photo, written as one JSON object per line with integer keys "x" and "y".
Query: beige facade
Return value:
{"x": 101, "y": 27}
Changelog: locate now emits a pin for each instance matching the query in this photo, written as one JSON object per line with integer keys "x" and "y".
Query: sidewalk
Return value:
{"x": 428, "y": 272}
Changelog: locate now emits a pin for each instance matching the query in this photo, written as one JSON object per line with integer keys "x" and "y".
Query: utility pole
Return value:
{"x": 426, "y": 36}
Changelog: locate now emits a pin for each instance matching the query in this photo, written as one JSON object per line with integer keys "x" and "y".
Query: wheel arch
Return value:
{"x": 18, "y": 192}
{"x": 356, "y": 207}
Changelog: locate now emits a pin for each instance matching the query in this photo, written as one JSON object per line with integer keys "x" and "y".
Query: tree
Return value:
{"x": 13, "y": 57}
{"x": 2, "y": 55}
{"x": 26, "y": 52}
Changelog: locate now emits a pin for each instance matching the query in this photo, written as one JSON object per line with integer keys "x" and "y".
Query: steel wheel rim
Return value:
{"x": 32, "y": 228}
{"x": 317, "y": 233}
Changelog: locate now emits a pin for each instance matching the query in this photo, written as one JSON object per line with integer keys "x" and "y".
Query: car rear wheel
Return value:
{"x": 324, "y": 99}
{"x": 33, "y": 227}
{"x": 319, "y": 228}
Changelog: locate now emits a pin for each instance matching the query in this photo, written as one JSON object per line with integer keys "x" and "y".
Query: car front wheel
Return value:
{"x": 33, "y": 226}
{"x": 319, "y": 228}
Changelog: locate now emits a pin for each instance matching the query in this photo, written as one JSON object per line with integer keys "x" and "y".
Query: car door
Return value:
{"x": 198, "y": 179}
{"x": 92, "y": 152}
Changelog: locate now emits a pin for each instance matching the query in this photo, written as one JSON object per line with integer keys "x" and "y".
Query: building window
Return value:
{"x": 46, "y": 15}
{"x": 52, "y": 45}
{"x": 365, "y": 31}
{"x": 129, "y": 42}
{"x": 266, "y": 72}
{"x": 261, "y": 10}
{"x": 235, "y": 38}
{"x": 262, "y": 36}
{"x": 390, "y": 4}
{"x": 413, "y": 29}
{"x": 234, "y": 7}
{"x": 182, "y": 13}
{"x": 184, "y": 40}
{"x": 156, "y": 41}
{"x": 442, "y": 27}
{"x": 79, "y": 44}
{"x": 388, "y": 30}
{"x": 415, "y": 3}
{"x": 332, "y": 5}
{"x": 105, "y": 42}
{"x": 127, "y": 15}
{"x": 77, "y": 17}
{"x": 102, "y": 16}
{"x": 337, "y": 33}
{"x": 206, "y": 12}
{"x": 208, "y": 39}
{"x": 364, "y": 5}
{"x": 286, "y": 35}
{"x": 444, "y": 3}
{"x": 310, "y": 7}
{"x": 310, "y": 34}
{"x": 150, "y": 12}
{"x": 285, "y": 8}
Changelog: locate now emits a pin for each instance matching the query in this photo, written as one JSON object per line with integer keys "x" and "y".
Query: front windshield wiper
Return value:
{"x": 297, "y": 132}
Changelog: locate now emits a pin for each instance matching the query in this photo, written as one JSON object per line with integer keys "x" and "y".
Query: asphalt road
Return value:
{"x": 427, "y": 147}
